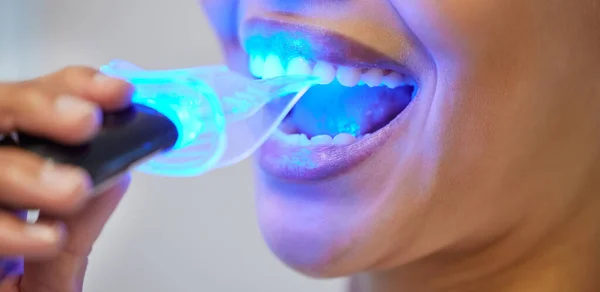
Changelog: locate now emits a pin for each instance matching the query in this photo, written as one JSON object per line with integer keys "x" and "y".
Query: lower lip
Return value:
{"x": 313, "y": 163}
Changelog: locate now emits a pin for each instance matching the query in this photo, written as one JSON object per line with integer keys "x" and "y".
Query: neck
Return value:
{"x": 565, "y": 258}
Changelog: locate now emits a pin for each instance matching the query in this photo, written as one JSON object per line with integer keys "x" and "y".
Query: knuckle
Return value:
{"x": 64, "y": 204}
{"x": 77, "y": 71}
{"x": 11, "y": 172}
{"x": 25, "y": 104}
{"x": 29, "y": 95}
{"x": 11, "y": 92}
{"x": 70, "y": 204}
{"x": 12, "y": 158}
{"x": 30, "y": 89}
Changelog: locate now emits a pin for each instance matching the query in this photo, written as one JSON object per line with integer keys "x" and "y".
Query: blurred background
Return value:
{"x": 175, "y": 235}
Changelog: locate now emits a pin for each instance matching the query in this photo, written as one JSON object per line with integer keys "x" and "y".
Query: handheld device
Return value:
{"x": 182, "y": 122}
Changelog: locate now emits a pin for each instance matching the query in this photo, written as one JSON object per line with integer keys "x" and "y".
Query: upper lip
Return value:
{"x": 288, "y": 40}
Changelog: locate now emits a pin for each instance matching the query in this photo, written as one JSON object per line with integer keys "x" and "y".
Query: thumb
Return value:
{"x": 66, "y": 271}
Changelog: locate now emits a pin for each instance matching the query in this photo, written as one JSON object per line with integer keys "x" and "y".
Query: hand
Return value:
{"x": 65, "y": 106}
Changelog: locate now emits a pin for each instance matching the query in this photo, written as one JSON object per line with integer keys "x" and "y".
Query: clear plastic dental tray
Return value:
{"x": 222, "y": 117}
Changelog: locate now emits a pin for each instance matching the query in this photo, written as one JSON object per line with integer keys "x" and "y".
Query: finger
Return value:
{"x": 87, "y": 224}
{"x": 38, "y": 110}
{"x": 11, "y": 267}
{"x": 29, "y": 182}
{"x": 17, "y": 237}
{"x": 110, "y": 93}
{"x": 66, "y": 271}
{"x": 10, "y": 284}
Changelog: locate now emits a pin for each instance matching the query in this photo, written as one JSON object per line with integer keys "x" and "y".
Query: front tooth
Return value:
{"x": 303, "y": 140}
{"x": 348, "y": 76}
{"x": 392, "y": 80}
{"x": 257, "y": 65}
{"x": 321, "y": 140}
{"x": 343, "y": 139}
{"x": 298, "y": 66}
{"x": 292, "y": 139}
{"x": 325, "y": 72}
{"x": 373, "y": 77}
{"x": 273, "y": 67}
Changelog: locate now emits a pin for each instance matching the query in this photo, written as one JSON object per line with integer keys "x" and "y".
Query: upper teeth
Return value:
{"x": 272, "y": 66}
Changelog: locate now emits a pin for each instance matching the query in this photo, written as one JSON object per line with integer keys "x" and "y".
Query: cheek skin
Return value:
{"x": 499, "y": 107}
{"x": 462, "y": 29}
{"x": 223, "y": 16}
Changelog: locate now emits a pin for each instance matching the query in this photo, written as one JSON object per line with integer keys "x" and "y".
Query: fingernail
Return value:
{"x": 42, "y": 232}
{"x": 61, "y": 179}
{"x": 75, "y": 108}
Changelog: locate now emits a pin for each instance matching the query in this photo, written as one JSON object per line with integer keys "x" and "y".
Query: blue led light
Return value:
{"x": 183, "y": 110}
{"x": 196, "y": 112}
{"x": 218, "y": 113}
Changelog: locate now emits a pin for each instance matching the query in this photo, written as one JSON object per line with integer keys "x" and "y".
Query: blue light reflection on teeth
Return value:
{"x": 273, "y": 67}
{"x": 275, "y": 59}
{"x": 298, "y": 66}
{"x": 257, "y": 64}
{"x": 268, "y": 61}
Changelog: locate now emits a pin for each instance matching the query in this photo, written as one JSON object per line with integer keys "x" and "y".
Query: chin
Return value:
{"x": 329, "y": 178}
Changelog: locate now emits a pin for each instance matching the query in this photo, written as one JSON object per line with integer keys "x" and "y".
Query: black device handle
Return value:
{"x": 126, "y": 138}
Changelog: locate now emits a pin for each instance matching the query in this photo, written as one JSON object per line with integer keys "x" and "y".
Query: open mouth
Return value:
{"x": 338, "y": 123}
{"x": 350, "y": 104}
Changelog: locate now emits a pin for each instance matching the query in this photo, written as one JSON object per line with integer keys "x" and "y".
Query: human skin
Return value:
{"x": 488, "y": 181}
{"x": 51, "y": 254}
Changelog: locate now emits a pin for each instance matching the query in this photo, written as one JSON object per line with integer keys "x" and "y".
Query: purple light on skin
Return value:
{"x": 302, "y": 160}
{"x": 303, "y": 238}
{"x": 11, "y": 267}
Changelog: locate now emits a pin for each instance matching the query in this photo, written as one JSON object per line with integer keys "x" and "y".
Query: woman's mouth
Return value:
{"x": 339, "y": 123}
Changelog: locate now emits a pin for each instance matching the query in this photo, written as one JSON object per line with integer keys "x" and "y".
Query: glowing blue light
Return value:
{"x": 208, "y": 105}
{"x": 182, "y": 110}
{"x": 197, "y": 114}
{"x": 256, "y": 66}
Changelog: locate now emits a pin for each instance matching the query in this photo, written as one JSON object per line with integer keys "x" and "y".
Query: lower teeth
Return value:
{"x": 341, "y": 139}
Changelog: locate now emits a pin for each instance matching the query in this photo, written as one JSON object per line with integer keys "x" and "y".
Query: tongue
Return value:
{"x": 333, "y": 109}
